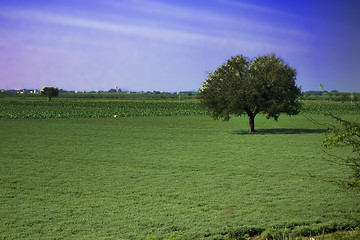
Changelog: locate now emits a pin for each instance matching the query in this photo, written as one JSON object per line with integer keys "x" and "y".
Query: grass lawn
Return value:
{"x": 186, "y": 177}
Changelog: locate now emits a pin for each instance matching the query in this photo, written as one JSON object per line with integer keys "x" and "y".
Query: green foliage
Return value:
{"x": 331, "y": 95}
{"x": 297, "y": 231}
{"x": 5, "y": 93}
{"x": 49, "y": 92}
{"x": 245, "y": 232}
{"x": 349, "y": 235}
{"x": 265, "y": 85}
{"x": 347, "y": 135}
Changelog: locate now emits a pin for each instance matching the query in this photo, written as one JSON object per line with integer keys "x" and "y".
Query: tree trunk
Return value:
{"x": 251, "y": 123}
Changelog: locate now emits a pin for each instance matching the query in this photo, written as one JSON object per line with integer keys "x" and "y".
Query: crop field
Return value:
{"x": 95, "y": 108}
{"x": 175, "y": 173}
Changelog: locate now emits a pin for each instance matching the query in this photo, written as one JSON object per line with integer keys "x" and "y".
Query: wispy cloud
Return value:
{"x": 257, "y": 8}
{"x": 206, "y": 27}
{"x": 127, "y": 29}
{"x": 157, "y": 33}
{"x": 205, "y": 17}
{"x": 168, "y": 10}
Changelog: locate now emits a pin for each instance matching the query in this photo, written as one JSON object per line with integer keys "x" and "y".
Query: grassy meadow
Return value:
{"x": 162, "y": 177}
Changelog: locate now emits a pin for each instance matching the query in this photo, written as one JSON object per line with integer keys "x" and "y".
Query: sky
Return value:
{"x": 169, "y": 45}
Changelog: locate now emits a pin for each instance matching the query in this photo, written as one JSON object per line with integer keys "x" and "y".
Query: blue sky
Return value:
{"x": 172, "y": 45}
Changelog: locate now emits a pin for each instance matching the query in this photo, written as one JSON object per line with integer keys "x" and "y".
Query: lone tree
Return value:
{"x": 265, "y": 85}
{"x": 49, "y": 92}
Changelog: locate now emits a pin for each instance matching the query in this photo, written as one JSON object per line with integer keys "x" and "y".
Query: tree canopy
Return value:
{"x": 49, "y": 92}
{"x": 264, "y": 85}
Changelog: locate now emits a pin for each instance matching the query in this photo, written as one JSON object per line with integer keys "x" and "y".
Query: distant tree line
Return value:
{"x": 333, "y": 95}
{"x": 112, "y": 93}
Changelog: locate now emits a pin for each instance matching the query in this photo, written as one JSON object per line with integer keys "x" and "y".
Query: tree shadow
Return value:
{"x": 280, "y": 131}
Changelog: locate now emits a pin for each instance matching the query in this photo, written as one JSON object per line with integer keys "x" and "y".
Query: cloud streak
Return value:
{"x": 154, "y": 33}
{"x": 247, "y": 34}
{"x": 257, "y": 8}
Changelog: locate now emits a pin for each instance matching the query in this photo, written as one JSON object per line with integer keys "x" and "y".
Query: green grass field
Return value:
{"x": 157, "y": 177}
